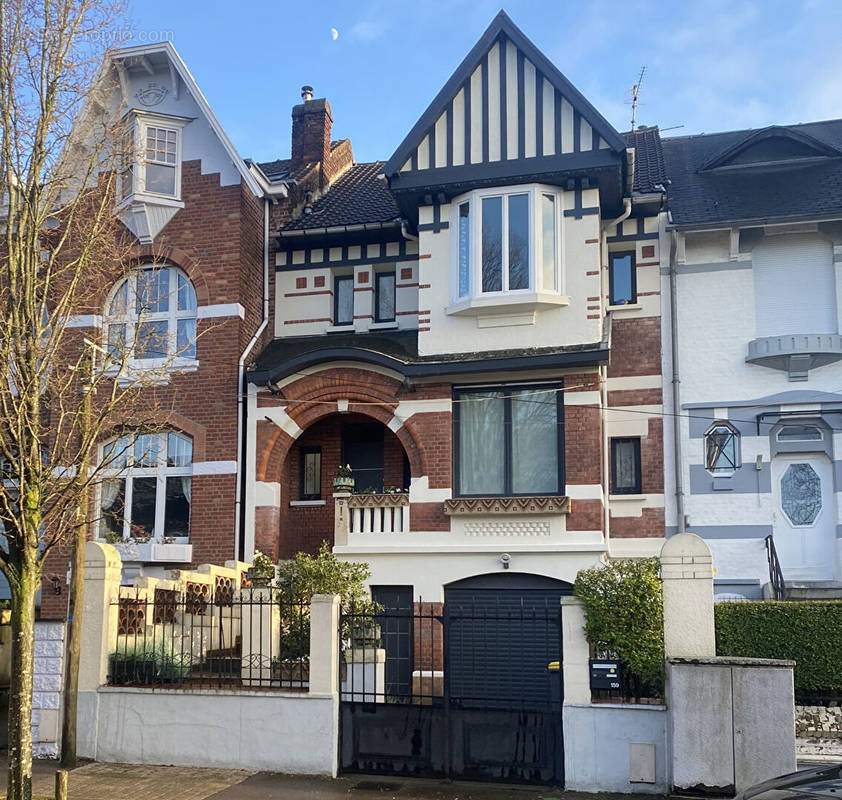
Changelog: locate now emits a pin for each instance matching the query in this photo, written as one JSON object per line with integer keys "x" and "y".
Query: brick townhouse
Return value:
{"x": 473, "y": 324}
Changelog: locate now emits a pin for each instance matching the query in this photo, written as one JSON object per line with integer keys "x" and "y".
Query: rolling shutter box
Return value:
{"x": 794, "y": 285}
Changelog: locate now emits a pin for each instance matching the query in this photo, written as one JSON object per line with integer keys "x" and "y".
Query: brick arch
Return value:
{"x": 148, "y": 253}
{"x": 314, "y": 397}
{"x": 168, "y": 420}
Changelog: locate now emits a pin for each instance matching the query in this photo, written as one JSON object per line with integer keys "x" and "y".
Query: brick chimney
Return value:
{"x": 311, "y": 124}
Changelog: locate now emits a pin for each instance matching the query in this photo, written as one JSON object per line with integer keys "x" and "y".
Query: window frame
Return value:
{"x": 474, "y": 202}
{"x": 129, "y": 473}
{"x": 377, "y": 294}
{"x": 638, "y": 484}
{"x": 735, "y": 435}
{"x": 507, "y": 426}
{"x": 130, "y": 319}
{"x": 612, "y": 256}
{"x": 337, "y": 279}
{"x": 304, "y": 452}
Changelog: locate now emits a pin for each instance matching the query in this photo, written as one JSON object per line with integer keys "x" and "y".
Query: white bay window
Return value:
{"x": 507, "y": 248}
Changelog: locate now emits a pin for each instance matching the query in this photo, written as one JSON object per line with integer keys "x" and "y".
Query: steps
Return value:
{"x": 813, "y": 590}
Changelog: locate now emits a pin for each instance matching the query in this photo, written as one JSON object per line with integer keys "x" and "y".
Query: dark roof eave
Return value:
{"x": 293, "y": 233}
{"x": 745, "y": 222}
{"x": 531, "y": 361}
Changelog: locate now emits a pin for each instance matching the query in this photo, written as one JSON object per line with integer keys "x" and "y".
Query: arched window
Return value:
{"x": 146, "y": 494}
{"x": 151, "y": 316}
{"x": 722, "y": 448}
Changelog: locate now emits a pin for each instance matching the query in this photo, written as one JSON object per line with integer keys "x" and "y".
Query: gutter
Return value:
{"x": 753, "y": 222}
{"x": 242, "y": 405}
{"x": 301, "y": 233}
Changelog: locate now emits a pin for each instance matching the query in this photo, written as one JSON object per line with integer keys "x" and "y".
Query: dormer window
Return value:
{"x": 152, "y": 159}
{"x": 507, "y": 243}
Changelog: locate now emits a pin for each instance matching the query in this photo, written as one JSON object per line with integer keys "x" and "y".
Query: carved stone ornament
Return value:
{"x": 152, "y": 95}
{"x": 387, "y": 499}
{"x": 507, "y": 505}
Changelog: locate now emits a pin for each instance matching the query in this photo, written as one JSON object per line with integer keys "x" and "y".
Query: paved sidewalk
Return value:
{"x": 128, "y": 781}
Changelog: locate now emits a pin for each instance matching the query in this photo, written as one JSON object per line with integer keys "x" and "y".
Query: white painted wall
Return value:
{"x": 293, "y": 733}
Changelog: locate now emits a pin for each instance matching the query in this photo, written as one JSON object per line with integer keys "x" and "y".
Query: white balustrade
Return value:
{"x": 379, "y": 513}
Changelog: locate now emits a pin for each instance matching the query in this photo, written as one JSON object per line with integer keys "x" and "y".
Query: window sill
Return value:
{"x": 383, "y": 326}
{"x": 480, "y": 506}
{"x": 340, "y": 328}
{"x": 306, "y": 503}
{"x": 151, "y": 198}
{"x": 614, "y": 498}
{"x": 625, "y": 307}
{"x": 138, "y": 371}
{"x": 494, "y": 304}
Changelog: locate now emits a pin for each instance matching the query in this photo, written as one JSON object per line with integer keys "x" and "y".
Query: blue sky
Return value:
{"x": 710, "y": 65}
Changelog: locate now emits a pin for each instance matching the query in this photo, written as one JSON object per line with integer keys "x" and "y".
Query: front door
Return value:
{"x": 804, "y": 516}
{"x": 362, "y": 448}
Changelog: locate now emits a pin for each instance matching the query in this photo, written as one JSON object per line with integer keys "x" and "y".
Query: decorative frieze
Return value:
{"x": 386, "y": 499}
{"x": 509, "y": 528}
{"x": 555, "y": 504}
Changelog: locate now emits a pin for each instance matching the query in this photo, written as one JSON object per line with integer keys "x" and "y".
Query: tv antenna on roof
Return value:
{"x": 635, "y": 94}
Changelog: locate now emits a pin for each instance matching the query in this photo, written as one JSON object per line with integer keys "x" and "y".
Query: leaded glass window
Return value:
{"x": 722, "y": 448}
{"x": 801, "y": 494}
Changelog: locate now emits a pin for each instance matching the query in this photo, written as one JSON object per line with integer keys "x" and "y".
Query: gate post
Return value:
{"x": 324, "y": 644}
{"x": 576, "y": 667}
{"x": 687, "y": 575}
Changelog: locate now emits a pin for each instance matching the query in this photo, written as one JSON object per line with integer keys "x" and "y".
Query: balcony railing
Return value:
{"x": 378, "y": 513}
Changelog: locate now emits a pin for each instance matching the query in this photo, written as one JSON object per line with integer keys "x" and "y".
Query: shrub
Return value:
{"x": 624, "y": 615}
{"x": 809, "y": 633}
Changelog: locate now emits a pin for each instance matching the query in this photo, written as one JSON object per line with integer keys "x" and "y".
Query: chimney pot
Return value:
{"x": 306, "y": 93}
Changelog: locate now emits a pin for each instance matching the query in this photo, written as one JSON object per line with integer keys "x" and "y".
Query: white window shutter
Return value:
{"x": 794, "y": 285}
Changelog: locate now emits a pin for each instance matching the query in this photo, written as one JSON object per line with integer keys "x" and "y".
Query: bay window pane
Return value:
{"x": 464, "y": 249}
{"x": 385, "y": 299}
{"x": 548, "y": 242}
{"x": 153, "y": 291}
{"x": 160, "y": 178}
{"x": 151, "y": 339}
{"x": 186, "y": 338}
{"x": 344, "y": 300}
{"x": 492, "y": 244}
{"x": 144, "y": 492}
{"x": 146, "y": 450}
{"x": 177, "y": 508}
{"x": 117, "y": 340}
{"x": 519, "y": 241}
{"x": 534, "y": 442}
{"x": 482, "y": 443}
{"x": 113, "y": 505}
{"x": 120, "y": 301}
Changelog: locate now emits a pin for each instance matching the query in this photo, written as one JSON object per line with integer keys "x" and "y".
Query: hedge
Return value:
{"x": 808, "y": 633}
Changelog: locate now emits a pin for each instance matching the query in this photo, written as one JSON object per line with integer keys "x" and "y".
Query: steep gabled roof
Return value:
{"x": 793, "y": 188}
{"x": 505, "y": 111}
{"x": 649, "y": 171}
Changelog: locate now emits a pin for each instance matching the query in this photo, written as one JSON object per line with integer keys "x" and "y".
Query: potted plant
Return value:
{"x": 262, "y": 570}
{"x": 343, "y": 481}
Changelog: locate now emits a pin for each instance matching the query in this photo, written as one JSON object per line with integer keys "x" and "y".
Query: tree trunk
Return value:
{"x": 20, "y": 691}
{"x": 74, "y": 634}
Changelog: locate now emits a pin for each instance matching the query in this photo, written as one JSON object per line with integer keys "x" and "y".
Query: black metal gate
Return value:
{"x": 459, "y": 689}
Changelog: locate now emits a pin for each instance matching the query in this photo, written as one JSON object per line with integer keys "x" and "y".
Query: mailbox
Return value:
{"x": 605, "y": 674}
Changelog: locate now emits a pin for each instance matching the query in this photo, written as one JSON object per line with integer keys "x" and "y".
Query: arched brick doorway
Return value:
{"x": 306, "y": 475}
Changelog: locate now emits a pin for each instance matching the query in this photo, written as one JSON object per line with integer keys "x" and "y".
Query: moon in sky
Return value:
{"x": 334, "y": 34}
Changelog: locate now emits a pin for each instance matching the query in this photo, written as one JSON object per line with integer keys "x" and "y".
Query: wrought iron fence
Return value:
{"x": 210, "y": 637}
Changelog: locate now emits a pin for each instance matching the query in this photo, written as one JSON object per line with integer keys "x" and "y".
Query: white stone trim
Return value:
{"x": 632, "y": 505}
{"x": 584, "y": 491}
{"x": 582, "y": 398}
{"x": 306, "y": 503}
{"x": 284, "y": 421}
{"x": 633, "y": 382}
{"x": 214, "y": 467}
{"x": 406, "y": 408}
{"x": 420, "y": 491}
{"x": 220, "y": 310}
{"x": 267, "y": 493}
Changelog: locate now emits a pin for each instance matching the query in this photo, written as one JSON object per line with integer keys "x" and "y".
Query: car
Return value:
{"x": 824, "y": 782}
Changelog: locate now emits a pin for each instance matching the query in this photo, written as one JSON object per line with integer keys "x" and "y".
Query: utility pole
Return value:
{"x": 77, "y": 576}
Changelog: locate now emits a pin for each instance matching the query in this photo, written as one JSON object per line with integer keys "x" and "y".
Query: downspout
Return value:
{"x": 242, "y": 405}
{"x": 603, "y": 370}
{"x": 676, "y": 391}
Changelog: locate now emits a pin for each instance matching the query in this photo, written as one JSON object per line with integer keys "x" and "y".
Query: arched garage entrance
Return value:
{"x": 483, "y": 704}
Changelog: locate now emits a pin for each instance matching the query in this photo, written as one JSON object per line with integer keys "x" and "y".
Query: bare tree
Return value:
{"x": 65, "y": 389}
